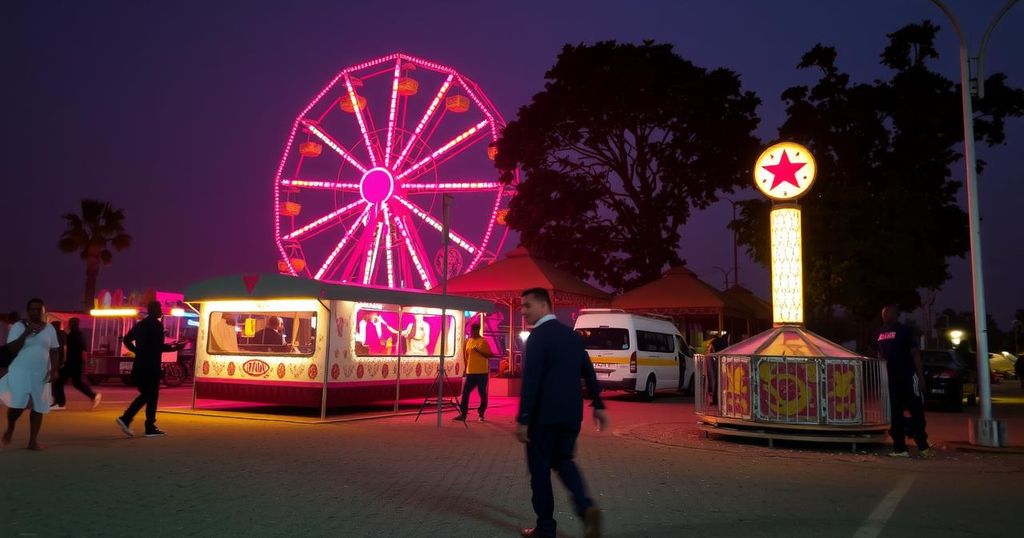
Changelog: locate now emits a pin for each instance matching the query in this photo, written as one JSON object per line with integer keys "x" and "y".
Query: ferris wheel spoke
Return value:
{"x": 317, "y": 184}
{"x": 487, "y": 233}
{"x": 452, "y": 187}
{"x": 359, "y": 118}
{"x": 371, "y": 256}
{"x": 388, "y": 246}
{"x": 423, "y": 121}
{"x": 391, "y": 115}
{"x": 318, "y": 132}
{"x": 361, "y": 221}
{"x": 413, "y": 246}
{"x": 326, "y": 221}
{"x": 425, "y": 217}
{"x": 452, "y": 144}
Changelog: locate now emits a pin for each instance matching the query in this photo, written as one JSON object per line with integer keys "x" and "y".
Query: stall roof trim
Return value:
{"x": 267, "y": 286}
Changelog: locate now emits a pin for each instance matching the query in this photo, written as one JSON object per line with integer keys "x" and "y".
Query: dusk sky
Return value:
{"x": 178, "y": 112}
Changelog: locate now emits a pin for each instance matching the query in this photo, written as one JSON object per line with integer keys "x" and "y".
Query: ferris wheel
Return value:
{"x": 359, "y": 191}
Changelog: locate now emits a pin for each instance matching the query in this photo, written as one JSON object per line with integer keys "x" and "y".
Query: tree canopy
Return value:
{"x": 883, "y": 219}
{"x": 622, "y": 143}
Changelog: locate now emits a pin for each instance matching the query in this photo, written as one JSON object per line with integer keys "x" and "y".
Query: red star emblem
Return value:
{"x": 785, "y": 171}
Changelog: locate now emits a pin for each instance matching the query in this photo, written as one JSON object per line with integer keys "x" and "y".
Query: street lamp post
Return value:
{"x": 735, "y": 250}
{"x": 985, "y": 430}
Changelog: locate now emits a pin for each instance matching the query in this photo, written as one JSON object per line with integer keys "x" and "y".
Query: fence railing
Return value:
{"x": 792, "y": 390}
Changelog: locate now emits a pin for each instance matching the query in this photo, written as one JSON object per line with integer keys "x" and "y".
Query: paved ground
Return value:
{"x": 653, "y": 474}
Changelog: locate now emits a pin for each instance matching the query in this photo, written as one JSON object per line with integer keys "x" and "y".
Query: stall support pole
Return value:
{"x": 446, "y": 204}
{"x": 398, "y": 368}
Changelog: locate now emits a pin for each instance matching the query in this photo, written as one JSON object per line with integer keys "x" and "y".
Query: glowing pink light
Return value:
{"x": 359, "y": 118}
{"x": 324, "y": 219}
{"x": 423, "y": 121}
{"x": 451, "y": 143}
{"x": 388, "y": 246}
{"x": 327, "y": 185}
{"x": 377, "y": 185}
{"x": 341, "y": 244}
{"x": 487, "y": 233}
{"x": 458, "y": 240}
{"x": 391, "y": 116}
{"x": 452, "y": 187}
{"x": 371, "y": 258}
{"x": 427, "y": 284}
{"x": 315, "y": 129}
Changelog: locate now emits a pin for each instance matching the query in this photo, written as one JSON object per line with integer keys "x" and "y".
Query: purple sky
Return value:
{"x": 178, "y": 113}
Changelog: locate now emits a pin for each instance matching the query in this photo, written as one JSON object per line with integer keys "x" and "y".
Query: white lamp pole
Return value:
{"x": 985, "y": 431}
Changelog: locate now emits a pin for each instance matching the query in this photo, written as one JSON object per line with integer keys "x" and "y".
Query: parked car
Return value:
{"x": 950, "y": 378}
{"x": 1002, "y": 365}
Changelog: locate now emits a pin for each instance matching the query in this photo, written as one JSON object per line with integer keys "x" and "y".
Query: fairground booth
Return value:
{"x": 280, "y": 339}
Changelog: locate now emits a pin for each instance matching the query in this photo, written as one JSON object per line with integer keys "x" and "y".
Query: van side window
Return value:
{"x": 655, "y": 342}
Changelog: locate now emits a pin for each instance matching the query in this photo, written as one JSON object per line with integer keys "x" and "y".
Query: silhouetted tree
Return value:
{"x": 92, "y": 233}
{"x": 882, "y": 219}
{"x": 622, "y": 143}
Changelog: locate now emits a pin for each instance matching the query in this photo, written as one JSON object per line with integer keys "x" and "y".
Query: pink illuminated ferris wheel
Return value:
{"x": 358, "y": 193}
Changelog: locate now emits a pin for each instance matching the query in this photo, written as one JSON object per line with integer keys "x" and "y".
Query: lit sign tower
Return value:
{"x": 784, "y": 172}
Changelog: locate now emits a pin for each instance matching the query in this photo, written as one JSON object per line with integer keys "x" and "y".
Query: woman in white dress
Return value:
{"x": 419, "y": 335}
{"x": 33, "y": 368}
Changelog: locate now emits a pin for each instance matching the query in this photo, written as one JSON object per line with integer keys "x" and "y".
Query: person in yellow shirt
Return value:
{"x": 477, "y": 351}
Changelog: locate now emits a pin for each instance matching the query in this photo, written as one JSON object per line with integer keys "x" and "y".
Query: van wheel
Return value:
{"x": 652, "y": 385}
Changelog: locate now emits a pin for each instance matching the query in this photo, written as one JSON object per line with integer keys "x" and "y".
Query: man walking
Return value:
{"x": 551, "y": 412}
{"x": 477, "y": 352}
{"x": 898, "y": 348}
{"x": 72, "y": 369}
{"x": 146, "y": 340}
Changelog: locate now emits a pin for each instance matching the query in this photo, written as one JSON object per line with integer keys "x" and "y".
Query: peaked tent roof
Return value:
{"x": 276, "y": 286}
{"x": 505, "y": 280}
{"x": 789, "y": 341}
{"x": 678, "y": 289}
{"x": 752, "y": 303}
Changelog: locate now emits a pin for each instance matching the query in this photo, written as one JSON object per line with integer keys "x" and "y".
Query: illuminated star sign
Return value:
{"x": 784, "y": 171}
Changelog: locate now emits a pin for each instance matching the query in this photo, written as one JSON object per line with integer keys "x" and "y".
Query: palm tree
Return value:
{"x": 92, "y": 234}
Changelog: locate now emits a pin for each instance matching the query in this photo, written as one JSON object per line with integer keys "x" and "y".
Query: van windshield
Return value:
{"x": 604, "y": 337}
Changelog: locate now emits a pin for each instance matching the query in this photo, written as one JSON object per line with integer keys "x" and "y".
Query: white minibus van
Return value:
{"x": 636, "y": 353}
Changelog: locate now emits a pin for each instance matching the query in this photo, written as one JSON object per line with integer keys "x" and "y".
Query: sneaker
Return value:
{"x": 155, "y": 432}
{"x": 900, "y": 454}
{"x": 96, "y": 400}
{"x": 481, "y": 419}
{"x": 924, "y": 454}
{"x": 460, "y": 418}
{"x": 56, "y": 407}
{"x": 124, "y": 427}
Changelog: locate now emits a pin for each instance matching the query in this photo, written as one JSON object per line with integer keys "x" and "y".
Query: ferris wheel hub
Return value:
{"x": 377, "y": 185}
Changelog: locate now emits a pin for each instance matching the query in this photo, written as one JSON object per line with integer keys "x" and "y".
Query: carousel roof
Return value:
{"x": 789, "y": 341}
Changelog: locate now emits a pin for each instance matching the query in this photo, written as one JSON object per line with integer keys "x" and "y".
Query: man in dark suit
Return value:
{"x": 551, "y": 412}
{"x": 146, "y": 340}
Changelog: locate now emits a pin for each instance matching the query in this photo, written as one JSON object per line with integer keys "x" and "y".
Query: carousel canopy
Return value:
{"x": 789, "y": 341}
{"x": 276, "y": 286}
{"x": 504, "y": 281}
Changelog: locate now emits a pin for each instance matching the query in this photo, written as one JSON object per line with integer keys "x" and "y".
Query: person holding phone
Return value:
{"x": 34, "y": 344}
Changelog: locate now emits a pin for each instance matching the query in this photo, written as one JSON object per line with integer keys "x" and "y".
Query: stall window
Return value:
{"x": 262, "y": 333}
{"x": 380, "y": 333}
{"x": 654, "y": 342}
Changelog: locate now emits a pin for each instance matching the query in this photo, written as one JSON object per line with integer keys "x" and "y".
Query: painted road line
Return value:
{"x": 881, "y": 514}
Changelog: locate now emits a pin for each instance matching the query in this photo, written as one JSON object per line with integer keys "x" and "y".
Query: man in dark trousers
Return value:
{"x": 898, "y": 348}
{"x": 146, "y": 340}
{"x": 551, "y": 412}
{"x": 72, "y": 369}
